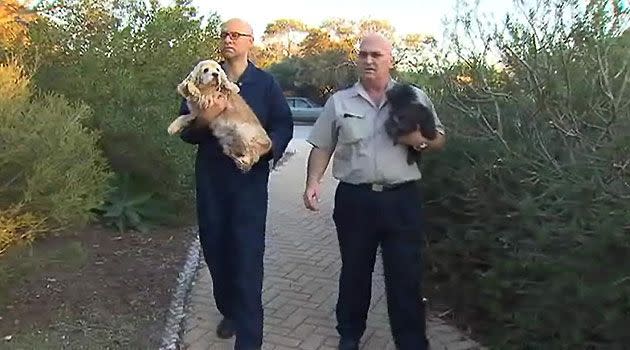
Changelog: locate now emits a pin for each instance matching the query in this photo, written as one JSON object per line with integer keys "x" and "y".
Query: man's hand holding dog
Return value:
{"x": 205, "y": 116}
{"x": 416, "y": 140}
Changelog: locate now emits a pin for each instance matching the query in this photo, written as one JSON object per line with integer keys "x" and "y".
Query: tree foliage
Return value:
{"x": 14, "y": 20}
{"x": 40, "y": 138}
{"x": 529, "y": 205}
{"x": 326, "y": 58}
{"x": 124, "y": 59}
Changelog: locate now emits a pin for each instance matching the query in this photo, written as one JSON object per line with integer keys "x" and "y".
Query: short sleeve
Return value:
{"x": 422, "y": 97}
{"x": 324, "y": 132}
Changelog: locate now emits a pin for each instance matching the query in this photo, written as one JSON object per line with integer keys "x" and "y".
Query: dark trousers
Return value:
{"x": 394, "y": 219}
{"x": 232, "y": 210}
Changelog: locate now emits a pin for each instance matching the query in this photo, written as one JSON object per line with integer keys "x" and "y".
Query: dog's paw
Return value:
{"x": 244, "y": 164}
{"x": 233, "y": 88}
{"x": 174, "y": 128}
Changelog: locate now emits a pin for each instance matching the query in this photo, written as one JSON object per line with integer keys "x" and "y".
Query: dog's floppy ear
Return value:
{"x": 227, "y": 84}
{"x": 197, "y": 76}
{"x": 182, "y": 88}
{"x": 194, "y": 76}
{"x": 191, "y": 79}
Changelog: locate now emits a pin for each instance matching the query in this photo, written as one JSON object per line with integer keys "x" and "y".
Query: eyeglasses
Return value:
{"x": 232, "y": 35}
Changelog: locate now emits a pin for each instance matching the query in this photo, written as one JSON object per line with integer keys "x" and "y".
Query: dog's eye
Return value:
{"x": 205, "y": 70}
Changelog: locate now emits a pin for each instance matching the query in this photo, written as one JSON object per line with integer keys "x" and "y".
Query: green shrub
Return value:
{"x": 17, "y": 228}
{"x": 49, "y": 162}
{"x": 124, "y": 60}
{"x": 134, "y": 205}
{"x": 529, "y": 205}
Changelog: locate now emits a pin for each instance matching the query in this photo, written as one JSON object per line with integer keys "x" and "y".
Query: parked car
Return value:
{"x": 304, "y": 109}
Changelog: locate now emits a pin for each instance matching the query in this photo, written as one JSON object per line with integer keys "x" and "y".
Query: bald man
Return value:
{"x": 231, "y": 205}
{"x": 377, "y": 201}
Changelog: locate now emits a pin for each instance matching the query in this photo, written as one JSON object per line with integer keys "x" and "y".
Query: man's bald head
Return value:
{"x": 375, "y": 59}
{"x": 238, "y": 25}
{"x": 237, "y": 38}
{"x": 376, "y": 40}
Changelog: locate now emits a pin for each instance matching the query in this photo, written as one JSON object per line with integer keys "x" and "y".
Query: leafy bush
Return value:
{"x": 124, "y": 59}
{"x": 50, "y": 164}
{"x": 529, "y": 205}
{"x": 134, "y": 206}
{"x": 17, "y": 227}
{"x": 315, "y": 76}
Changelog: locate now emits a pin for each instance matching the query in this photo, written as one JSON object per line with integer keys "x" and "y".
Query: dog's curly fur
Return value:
{"x": 406, "y": 115}
{"x": 238, "y": 130}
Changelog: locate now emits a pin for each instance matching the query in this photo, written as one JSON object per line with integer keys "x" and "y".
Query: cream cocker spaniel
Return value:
{"x": 238, "y": 130}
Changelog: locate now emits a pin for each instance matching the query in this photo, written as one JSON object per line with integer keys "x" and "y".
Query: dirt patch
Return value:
{"x": 95, "y": 289}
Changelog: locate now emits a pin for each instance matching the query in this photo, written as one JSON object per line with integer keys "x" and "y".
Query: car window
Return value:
{"x": 301, "y": 104}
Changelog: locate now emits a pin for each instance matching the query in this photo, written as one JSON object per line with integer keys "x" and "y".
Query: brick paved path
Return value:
{"x": 302, "y": 265}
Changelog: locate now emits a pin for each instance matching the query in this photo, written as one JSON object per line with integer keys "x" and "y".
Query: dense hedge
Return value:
{"x": 125, "y": 64}
{"x": 51, "y": 167}
{"x": 122, "y": 60}
{"x": 529, "y": 205}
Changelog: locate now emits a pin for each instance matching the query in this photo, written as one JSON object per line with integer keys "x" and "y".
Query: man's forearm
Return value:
{"x": 280, "y": 134}
{"x": 318, "y": 161}
{"x": 196, "y": 132}
{"x": 200, "y": 123}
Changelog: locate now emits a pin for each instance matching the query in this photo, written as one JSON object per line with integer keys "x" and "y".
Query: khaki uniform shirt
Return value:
{"x": 353, "y": 127}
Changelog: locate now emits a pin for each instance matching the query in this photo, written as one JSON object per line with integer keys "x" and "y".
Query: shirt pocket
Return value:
{"x": 353, "y": 128}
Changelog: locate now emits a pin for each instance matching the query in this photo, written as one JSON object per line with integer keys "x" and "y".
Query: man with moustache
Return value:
{"x": 231, "y": 205}
{"x": 377, "y": 200}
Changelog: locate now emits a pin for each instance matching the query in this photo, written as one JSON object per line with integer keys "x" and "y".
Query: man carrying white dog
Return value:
{"x": 231, "y": 204}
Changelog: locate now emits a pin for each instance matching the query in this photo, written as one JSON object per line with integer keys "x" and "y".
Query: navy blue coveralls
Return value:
{"x": 232, "y": 207}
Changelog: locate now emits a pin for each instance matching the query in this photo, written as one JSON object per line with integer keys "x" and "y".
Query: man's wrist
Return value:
{"x": 199, "y": 122}
{"x": 311, "y": 181}
{"x": 429, "y": 145}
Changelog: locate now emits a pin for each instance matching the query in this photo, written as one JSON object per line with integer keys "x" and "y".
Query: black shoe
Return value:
{"x": 225, "y": 329}
{"x": 348, "y": 344}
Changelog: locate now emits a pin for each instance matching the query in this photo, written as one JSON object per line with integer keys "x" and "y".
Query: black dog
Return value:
{"x": 406, "y": 115}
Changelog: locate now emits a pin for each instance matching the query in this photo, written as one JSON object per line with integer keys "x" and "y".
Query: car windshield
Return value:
{"x": 300, "y": 102}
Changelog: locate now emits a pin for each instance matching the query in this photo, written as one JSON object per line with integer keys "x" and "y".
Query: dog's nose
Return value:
{"x": 215, "y": 74}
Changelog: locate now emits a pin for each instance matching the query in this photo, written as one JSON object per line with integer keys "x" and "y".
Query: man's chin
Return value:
{"x": 370, "y": 76}
{"x": 228, "y": 53}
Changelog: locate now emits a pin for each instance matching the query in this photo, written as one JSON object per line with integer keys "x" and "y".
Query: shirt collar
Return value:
{"x": 359, "y": 90}
{"x": 248, "y": 74}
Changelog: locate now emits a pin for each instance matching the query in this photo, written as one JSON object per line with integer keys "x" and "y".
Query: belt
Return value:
{"x": 383, "y": 187}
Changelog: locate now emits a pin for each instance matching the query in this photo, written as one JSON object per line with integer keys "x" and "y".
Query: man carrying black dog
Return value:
{"x": 377, "y": 200}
